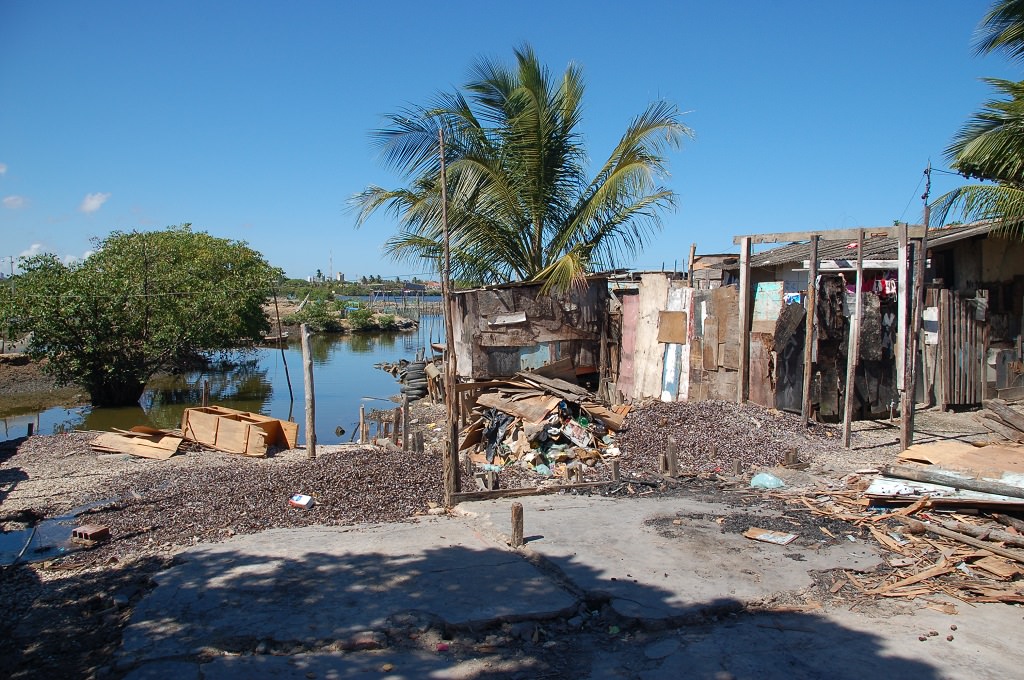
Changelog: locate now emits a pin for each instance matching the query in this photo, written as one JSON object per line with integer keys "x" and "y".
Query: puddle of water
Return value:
{"x": 48, "y": 539}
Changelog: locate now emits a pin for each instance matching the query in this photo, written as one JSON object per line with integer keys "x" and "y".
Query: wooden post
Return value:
{"x": 810, "y": 330}
{"x": 615, "y": 470}
{"x": 405, "y": 423}
{"x": 902, "y": 309}
{"x": 400, "y": 423}
{"x": 363, "y": 431}
{"x": 742, "y": 389}
{"x": 672, "y": 458}
{"x": 689, "y": 265}
{"x": 307, "y": 368}
{"x": 920, "y": 257}
{"x": 451, "y": 455}
{"x": 206, "y": 393}
{"x": 517, "y": 525}
{"x": 854, "y": 346}
{"x": 31, "y": 429}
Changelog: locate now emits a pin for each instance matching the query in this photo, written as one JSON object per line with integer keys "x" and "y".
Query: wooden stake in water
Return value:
{"x": 307, "y": 367}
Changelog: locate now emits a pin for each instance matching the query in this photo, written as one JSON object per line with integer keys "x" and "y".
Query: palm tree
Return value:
{"x": 990, "y": 146}
{"x": 521, "y": 206}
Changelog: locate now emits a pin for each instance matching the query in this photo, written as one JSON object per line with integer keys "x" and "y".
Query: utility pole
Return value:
{"x": 909, "y": 397}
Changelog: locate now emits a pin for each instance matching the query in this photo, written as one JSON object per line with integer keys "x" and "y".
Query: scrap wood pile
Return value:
{"x": 216, "y": 427}
{"x": 1002, "y": 420}
{"x": 949, "y": 523}
{"x": 533, "y": 427}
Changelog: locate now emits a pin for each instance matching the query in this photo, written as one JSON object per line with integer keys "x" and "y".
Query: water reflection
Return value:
{"x": 343, "y": 374}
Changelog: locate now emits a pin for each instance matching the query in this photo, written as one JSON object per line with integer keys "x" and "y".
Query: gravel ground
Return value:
{"x": 64, "y": 616}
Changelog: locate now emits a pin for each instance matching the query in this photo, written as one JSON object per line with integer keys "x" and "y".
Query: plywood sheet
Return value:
{"x": 532, "y": 410}
{"x": 672, "y": 326}
{"x": 987, "y": 461}
{"x": 157, "y": 446}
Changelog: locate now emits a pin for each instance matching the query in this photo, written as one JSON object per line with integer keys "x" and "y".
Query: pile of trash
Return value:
{"x": 546, "y": 427}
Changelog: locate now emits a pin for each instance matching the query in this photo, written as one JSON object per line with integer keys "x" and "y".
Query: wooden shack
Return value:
{"x": 501, "y": 330}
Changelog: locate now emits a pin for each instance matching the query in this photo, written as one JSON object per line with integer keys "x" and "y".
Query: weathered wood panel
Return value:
{"x": 626, "y": 384}
{"x": 648, "y": 359}
{"x": 493, "y": 325}
{"x": 762, "y": 384}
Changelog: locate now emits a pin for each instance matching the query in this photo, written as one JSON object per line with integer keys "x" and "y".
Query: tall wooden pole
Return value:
{"x": 854, "y": 346}
{"x": 307, "y": 371}
{"x": 920, "y": 256}
{"x": 451, "y": 455}
{"x": 902, "y": 309}
{"x": 689, "y": 265}
{"x": 811, "y": 330}
{"x": 744, "y": 322}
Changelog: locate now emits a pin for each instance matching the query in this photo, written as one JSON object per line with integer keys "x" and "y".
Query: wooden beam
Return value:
{"x": 811, "y": 328}
{"x": 909, "y": 398}
{"x": 689, "y": 265}
{"x": 854, "y": 351}
{"x": 902, "y": 309}
{"x": 851, "y": 265}
{"x": 916, "y": 231}
{"x": 742, "y": 388}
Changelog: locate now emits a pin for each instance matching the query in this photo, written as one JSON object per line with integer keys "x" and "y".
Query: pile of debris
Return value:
{"x": 216, "y": 427}
{"x": 535, "y": 426}
{"x": 946, "y": 514}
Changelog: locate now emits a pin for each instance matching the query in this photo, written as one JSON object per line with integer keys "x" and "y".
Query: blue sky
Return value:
{"x": 251, "y": 120}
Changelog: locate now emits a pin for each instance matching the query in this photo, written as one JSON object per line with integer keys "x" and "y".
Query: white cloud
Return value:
{"x": 93, "y": 202}
{"x": 72, "y": 259}
{"x": 3, "y": 168}
{"x": 34, "y": 249}
{"x": 13, "y": 202}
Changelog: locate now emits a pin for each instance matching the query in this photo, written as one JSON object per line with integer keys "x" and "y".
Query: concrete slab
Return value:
{"x": 606, "y": 545}
{"x": 849, "y": 646}
{"x": 333, "y": 583}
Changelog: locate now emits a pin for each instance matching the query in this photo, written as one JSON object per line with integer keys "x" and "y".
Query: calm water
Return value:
{"x": 343, "y": 379}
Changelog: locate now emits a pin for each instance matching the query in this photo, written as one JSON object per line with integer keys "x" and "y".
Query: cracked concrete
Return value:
{"x": 598, "y": 592}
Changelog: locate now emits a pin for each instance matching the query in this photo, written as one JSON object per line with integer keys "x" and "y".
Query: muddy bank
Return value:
{"x": 25, "y": 388}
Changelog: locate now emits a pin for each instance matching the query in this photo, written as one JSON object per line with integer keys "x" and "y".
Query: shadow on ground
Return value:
{"x": 449, "y": 612}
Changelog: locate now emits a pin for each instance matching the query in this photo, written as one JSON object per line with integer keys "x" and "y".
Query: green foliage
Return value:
{"x": 361, "y": 320}
{"x": 143, "y": 302}
{"x": 521, "y": 205}
{"x": 319, "y": 315}
{"x": 990, "y": 146}
{"x": 387, "y": 322}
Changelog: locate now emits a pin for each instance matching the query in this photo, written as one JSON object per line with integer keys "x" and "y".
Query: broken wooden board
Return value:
{"x": 766, "y": 536}
{"x": 531, "y": 410}
{"x": 148, "y": 443}
{"x": 613, "y": 420}
{"x": 905, "y": 491}
{"x": 234, "y": 431}
{"x": 992, "y": 461}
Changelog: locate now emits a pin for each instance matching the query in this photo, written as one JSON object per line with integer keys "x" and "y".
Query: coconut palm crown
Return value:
{"x": 520, "y": 204}
{"x": 990, "y": 146}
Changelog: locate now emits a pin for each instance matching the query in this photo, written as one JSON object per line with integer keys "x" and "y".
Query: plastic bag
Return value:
{"x": 763, "y": 480}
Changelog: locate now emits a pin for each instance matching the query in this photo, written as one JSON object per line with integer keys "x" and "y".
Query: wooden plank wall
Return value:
{"x": 963, "y": 347}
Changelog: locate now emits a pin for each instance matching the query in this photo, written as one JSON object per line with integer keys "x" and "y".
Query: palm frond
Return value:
{"x": 1002, "y": 29}
{"x": 984, "y": 202}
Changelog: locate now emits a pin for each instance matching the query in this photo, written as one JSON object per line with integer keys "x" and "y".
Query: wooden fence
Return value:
{"x": 963, "y": 347}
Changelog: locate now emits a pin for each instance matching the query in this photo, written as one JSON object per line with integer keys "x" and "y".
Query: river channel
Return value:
{"x": 344, "y": 378}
